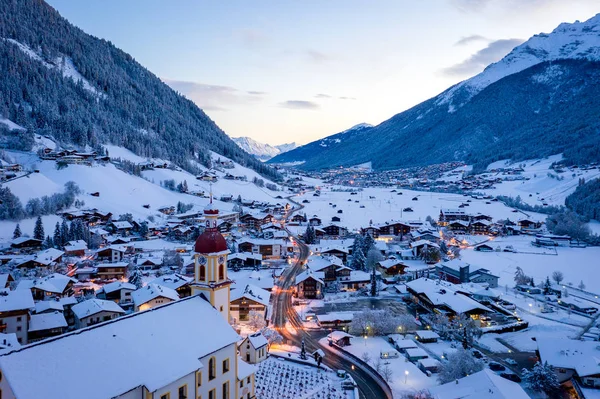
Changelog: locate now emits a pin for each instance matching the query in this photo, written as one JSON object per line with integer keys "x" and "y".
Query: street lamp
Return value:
{"x": 405, "y": 376}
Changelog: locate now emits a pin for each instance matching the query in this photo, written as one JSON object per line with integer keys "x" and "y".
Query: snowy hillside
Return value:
{"x": 579, "y": 40}
{"x": 260, "y": 150}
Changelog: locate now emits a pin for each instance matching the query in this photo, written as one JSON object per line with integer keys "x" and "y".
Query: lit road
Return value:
{"x": 370, "y": 385}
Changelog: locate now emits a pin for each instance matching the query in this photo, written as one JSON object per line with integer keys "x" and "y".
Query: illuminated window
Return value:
{"x": 212, "y": 369}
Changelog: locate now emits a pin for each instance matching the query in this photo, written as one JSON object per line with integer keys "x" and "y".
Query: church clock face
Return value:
{"x": 202, "y": 260}
{"x": 221, "y": 259}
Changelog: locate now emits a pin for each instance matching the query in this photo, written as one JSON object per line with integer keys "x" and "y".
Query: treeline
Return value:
{"x": 11, "y": 207}
{"x": 130, "y": 107}
{"x": 517, "y": 202}
{"x": 586, "y": 199}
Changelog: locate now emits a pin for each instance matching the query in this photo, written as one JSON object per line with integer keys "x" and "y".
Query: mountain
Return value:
{"x": 262, "y": 151}
{"x": 537, "y": 101}
{"x": 317, "y": 148}
{"x": 58, "y": 81}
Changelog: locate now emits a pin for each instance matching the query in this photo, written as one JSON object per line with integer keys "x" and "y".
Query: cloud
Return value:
{"x": 470, "y": 39}
{"x": 214, "y": 97}
{"x": 299, "y": 104}
{"x": 347, "y": 98}
{"x": 321, "y": 95}
{"x": 481, "y": 59}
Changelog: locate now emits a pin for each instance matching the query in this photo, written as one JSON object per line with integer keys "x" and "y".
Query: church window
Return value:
{"x": 221, "y": 272}
{"x": 202, "y": 273}
{"x": 212, "y": 369}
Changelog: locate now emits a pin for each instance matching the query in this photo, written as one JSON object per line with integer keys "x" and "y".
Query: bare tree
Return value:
{"x": 387, "y": 373}
{"x": 256, "y": 320}
{"x": 377, "y": 364}
{"x": 557, "y": 276}
{"x": 366, "y": 357}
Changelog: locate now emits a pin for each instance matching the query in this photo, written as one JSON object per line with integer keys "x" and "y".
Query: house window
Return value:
{"x": 202, "y": 273}
{"x": 166, "y": 396}
{"x": 248, "y": 380}
{"x": 225, "y": 366}
{"x": 212, "y": 369}
{"x": 212, "y": 394}
{"x": 225, "y": 390}
{"x": 18, "y": 328}
{"x": 241, "y": 383}
{"x": 19, "y": 318}
{"x": 182, "y": 392}
{"x": 199, "y": 378}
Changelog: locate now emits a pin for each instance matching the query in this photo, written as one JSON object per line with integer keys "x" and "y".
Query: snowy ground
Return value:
{"x": 279, "y": 379}
{"x": 382, "y": 205}
{"x": 575, "y": 263}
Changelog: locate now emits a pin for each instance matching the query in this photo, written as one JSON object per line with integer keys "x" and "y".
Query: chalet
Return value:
{"x": 332, "y": 267}
{"x": 336, "y": 219}
{"x": 254, "y": 348}
{"x": 5, "y": 280}
{"x": 208, "y": 175}
{"x": 149, "y": 263}
{"x": 152, "y": 296}
{"x": 117, "y": 291}
{"x": 480, "y": 227}
{"x": 94, "y": 311}
{"x": 455, "y": 271}
{"x": 254, "y": 221}
{"x": 167, "y": 210}
{"x": 337, "y": 251}
{"x": 484, "y": 384}
{"x": 315, "y": 221}
{"x": 46, "y": 258}
{"x": 298, "y": 218}
{"x": 415, "y": 354}
{"x": 448, "y": 215}
{"x": 458, "y": 226}
{"x": 528, "y": 224}
{"x": 335, "y": 230}
{"x": 484, "y": 276}
{"x": 427, "y": 235}
{"x": 484, "y": 248}
{"x": 391, "y": 267}
{"x": 572, "y": 360}
{"x": 339, "y": 338}
{"x": 268, "y": 248}
{"x": 46, "y": 325}
{"x": 356, "y": 280}
{"x": 121, "y": 227}
{"x": 335, "y": 320}
{"x": 53, "y": 286}
{"x": 441, "y": 297}
{"x": 83, "y": 273}
{"x": 26, "y": 243}
{"x": 14, "y": 313}
{"x": 309, "y": 285}
{"x": 76, "y": 248}
{"x": 426, "y": 336}
{"x": 177, "y": 282}
{"x": 112, "y": 253}
{"x": 244, "y": 259}
{"x": 248, "y": 299}
{"x": 115, "y": 270}
{"x": 419, "y": 246}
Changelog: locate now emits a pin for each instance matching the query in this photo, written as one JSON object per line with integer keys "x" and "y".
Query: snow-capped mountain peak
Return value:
{"x": 261, "y": 150}
{"x": 577, "y": 40}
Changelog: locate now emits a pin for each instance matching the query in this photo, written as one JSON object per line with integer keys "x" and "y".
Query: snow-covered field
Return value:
{"x": 381, "y": 205}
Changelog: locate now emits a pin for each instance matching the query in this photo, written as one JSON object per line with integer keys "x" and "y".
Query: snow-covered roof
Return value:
{"x": 416, "y": 352}
{"x": 318, "y": 276}
{"x": 244, "y": 369}
{"x": 43, "y": 306}
{"x": 403, "y": 343}
{"x": 245, "y": 255}
{"x": 116, "y": 286}
{"x": 386, "y": 264}
{"x": 22, "y": 239}
{"x": 426, "y": 334}
{"x": 252, "y": 293}
{"x": 443, "y": 294}
{"x": 257, "y": 340}
{"x": 419, "y": 243}
{"x": 317, "y": 263}
{"x": 111, "y": 265}
{"x": 337, "y": 335}
{"x": 581, "y": 356}
{"x": 357, "y": 276}
{"x": 428, "y": 362}
{"x": 4, "y": 279}
{"x": 55, "y": 283}
{"x": 151, "y": 349}
{"x": 455, "y": 264}
{"x": 93, "y": 306}
{"x": 122, "y": 225}
{"x": 484, "y": 384}
{"x": 47, "y": 321}
{"x": 9, "y": 341}
{"x": 15, "y": 300}
{"x": 172, "y": 281}
{"x": 334, "y": 316}
{"x": 76, "y": 245}
{"x": 152, "y": 291}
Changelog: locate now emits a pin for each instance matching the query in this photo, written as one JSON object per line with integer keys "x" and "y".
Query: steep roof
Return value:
{"x": 16, "y": 300}
{"x": 252, "y": 293}
{"x": 581, "y": 356}
{"x": 484, "y": 384}
{"x": 93, "y": 306}
{"x": 444, "y": 294}
{"x": 152, "y": 291}
{"x": 47, "y": 321}
{"x": 151, "y": 349}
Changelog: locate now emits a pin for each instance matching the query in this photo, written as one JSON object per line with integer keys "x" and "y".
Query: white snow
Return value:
{"x": 10, "y": 124}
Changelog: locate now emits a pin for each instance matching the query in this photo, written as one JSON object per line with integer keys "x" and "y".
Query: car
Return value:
{"x": 510, "y": 361}
{"x": 509, "y": 306}
{"x": 496, "y": 366}
{"x": 305, "y": 201}
{"x": 477, "y": 354}
{"x": 511, "y": 377}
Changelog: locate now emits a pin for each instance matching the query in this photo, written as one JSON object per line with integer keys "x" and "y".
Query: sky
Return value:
{"x": 285, "y": 71}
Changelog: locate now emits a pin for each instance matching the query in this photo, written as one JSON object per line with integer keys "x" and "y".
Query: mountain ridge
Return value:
{"x": 260, "y": 150}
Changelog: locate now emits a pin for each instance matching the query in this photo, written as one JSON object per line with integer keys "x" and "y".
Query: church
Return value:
{"x": 183, "y": 349}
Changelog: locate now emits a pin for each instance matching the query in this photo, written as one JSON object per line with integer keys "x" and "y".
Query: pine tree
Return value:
{"x": 185, "y": 186}
{"x": 38, "y": 230}
{"x": 359, "y": 261}
{"x": 144, "y": 229}
{"x": 135, "y": 278}
{"x": 48, "y": 243}
{"x": 547, "y": 286}
{"x": 542, "y": 378}
{"x": 373, "y": 282}
{"x": 368, "y": 243}
{"x": 64, "y": 233}
{"x": 17, "y": 232}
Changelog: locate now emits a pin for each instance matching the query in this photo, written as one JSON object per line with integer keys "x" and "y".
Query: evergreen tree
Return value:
{"x": 38, "y": 230}
{"x": 72, "y": 233}
{"x": 368, "y": 243}
{"x": 373, "y": 282}
{"x": 144, "y": 229}
{"x": 359, "y": 261}
{"x": 64, "y": 233}
{"x": 17, "y": 232}
{"x": 135, "y": 278}
{"x": 542, "y": 378}
{"x": 547, "y": 286}
{"x": 48, "y": 243}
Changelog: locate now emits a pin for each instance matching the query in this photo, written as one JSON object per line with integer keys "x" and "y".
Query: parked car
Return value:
{"x": 510, "y": 361}
{"x": 496, "y": 366}
{"x": 508, "y": 305}
{"x": 511, "y": 377}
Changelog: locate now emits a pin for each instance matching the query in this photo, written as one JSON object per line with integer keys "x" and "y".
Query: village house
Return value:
{"x": 309, "y": 285}
{"x": 5, "y": 280}
{"x": 113, "y": 253}
{"x": 108, "y": 271}
{"x": 245, "y": 260}
{"x": 391, "y": 267}
{"x": 152, "y": 296}
{"x": 76, "y": 248}
{"x": 177, "y": 282}
{"x": 117, "y": 291}
{"x": 254, "y": 348}
{"x": 245, "y": 300}
{"x": 46, "y": 325}
{"x": 94, "y": 311}
{"x": 457, "y": 271}
{"x": 54, "y": 285}
{"x": 335, "y": 230}
{"x": 332, "y": 267}
{"x": 14, "y": 313}
{"x": 356, "y": 280}
{"x": 45, "y": 259}
{"x": 484, "y": 384}
{"x": 26, "y": 244}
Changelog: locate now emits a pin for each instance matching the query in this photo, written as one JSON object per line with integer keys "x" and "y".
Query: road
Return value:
{"x": 370, "y": 386}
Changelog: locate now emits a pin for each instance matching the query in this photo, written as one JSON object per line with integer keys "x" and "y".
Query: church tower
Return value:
{"x": 210, "y": 264}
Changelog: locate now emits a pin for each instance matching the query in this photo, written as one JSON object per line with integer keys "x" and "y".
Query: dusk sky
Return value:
{"x": 282, "y": 71}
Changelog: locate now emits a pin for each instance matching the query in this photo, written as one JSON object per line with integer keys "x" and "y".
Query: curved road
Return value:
{"x": 370, "y": 385}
